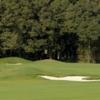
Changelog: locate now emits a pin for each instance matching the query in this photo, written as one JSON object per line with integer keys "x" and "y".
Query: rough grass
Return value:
{"x": 22, "y": 82}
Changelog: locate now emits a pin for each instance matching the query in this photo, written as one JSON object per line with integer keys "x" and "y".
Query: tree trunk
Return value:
{"x": 89, "y": 51}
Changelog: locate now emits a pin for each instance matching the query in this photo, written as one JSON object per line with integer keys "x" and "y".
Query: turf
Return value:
{"x": 22, "y": 82}
{"x": 48, "y": 90}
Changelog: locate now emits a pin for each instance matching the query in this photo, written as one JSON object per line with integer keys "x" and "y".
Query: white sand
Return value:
{"x": 70, "y": 78}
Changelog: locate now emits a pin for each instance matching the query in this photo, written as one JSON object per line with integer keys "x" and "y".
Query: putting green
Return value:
{"x": 22, "y": 82}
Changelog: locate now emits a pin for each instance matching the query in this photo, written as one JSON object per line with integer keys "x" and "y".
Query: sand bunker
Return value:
{"x": 70, "y": 78}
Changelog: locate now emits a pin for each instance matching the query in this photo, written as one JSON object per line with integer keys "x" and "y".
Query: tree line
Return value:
{"x": 66, "y": 30}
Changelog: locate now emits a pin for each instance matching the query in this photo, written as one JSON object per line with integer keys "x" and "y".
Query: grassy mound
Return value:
{"x": 28, "y": 69}
{"x": 13, "y": 60}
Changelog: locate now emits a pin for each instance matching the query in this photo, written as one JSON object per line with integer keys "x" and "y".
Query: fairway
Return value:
{"x": 48, "y": 90}
{"x": 22, "y": 81}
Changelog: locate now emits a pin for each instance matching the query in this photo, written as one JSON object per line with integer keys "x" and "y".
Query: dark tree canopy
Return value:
{"x": 66, "y": 30}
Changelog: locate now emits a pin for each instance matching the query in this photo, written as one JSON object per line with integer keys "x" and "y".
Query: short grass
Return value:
{"x": 23, "y": 82}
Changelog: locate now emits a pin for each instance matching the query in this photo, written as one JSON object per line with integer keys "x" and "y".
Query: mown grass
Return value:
{"x": 38, "y": 89}
{"x": 23, "y": 82}
{"x": 29, "y": 69}
{"x": 13, "y": 60}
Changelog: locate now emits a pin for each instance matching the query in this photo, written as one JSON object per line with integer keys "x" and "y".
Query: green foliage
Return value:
{"x": 60, "y": 27}
{"x": 9, "y": 40}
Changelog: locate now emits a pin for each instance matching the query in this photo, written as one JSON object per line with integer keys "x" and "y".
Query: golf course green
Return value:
{"x": 20, "y": 80}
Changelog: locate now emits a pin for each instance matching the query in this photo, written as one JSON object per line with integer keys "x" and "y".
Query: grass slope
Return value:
{"x": 13, "y": 60}
{"x": 29, "y": 69}
{"x": 22, "y": 82}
